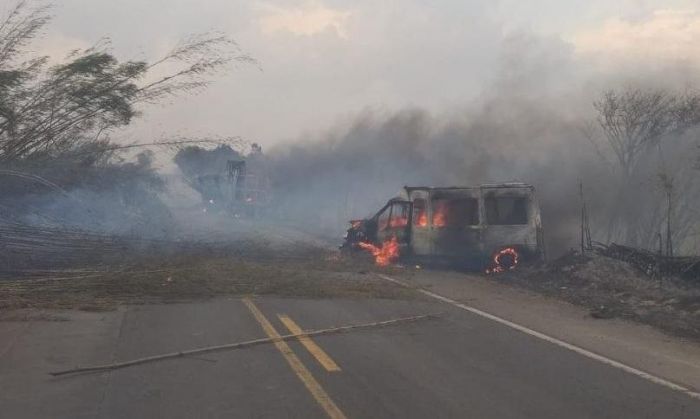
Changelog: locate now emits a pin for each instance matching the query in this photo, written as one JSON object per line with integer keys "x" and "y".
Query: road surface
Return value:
{"x": 460, "y": 365}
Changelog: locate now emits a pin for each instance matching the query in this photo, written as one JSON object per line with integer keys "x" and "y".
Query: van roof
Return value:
{"x": 482, "y": 186}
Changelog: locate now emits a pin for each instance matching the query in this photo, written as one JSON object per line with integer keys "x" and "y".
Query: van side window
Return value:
{"x": 399, "y": 215}
{"x": 420, "y": 214}
{"x": 506, "y": 210}
{"x": 455, "y": 212}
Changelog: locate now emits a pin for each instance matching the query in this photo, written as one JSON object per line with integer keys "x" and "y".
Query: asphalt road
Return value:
{"x": 460, "y": 365}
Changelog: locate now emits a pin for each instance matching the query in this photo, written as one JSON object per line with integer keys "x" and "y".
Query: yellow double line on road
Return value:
{"x": 314, "y": 387}
{"x": 315, "y": 350}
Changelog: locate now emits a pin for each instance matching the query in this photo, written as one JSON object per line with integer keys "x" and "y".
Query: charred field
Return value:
{"x": 175, "y": 272}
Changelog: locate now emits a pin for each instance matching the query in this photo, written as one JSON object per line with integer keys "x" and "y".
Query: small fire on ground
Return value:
{"x": 385, "y": 255}
{"x": 503, "y": 260}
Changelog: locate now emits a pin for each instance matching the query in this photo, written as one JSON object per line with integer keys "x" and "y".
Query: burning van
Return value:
{"x": 492, "y": 227}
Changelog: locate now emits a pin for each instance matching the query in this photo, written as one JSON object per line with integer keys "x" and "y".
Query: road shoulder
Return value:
{"x": 639, "y": 346}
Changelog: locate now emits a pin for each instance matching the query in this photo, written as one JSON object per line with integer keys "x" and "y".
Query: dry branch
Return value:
{"x": 239, "y": 345}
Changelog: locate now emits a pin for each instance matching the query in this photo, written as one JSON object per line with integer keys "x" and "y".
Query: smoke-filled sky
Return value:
{"x": 325, "y": 61}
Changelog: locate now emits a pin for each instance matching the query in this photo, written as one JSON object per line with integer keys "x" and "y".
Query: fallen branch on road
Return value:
{"x": 240, "y": 345}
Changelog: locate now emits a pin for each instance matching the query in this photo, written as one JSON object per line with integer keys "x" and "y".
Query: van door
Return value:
{"x": 394, "y": 220}
{"x": 509, "y": 220}
{"x": 420, "y": 227}
{"x": 455, "y": 227}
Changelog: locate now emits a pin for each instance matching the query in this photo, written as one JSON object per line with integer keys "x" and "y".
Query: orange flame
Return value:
{"x": 498, "y": 265}
{"x": 422, "y": 219}
{"x": 439, "y": 213}
{"x": 438, "y": 219}
{"x": 397, "y": 222}
{"x": 385, "y": 255}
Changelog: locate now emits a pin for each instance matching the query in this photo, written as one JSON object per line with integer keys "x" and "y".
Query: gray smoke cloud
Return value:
{"x": 528, "y": 125}
{"x": 489, "y": 103}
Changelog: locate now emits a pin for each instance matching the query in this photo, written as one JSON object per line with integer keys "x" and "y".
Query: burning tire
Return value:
{"x": 503, "y": 260}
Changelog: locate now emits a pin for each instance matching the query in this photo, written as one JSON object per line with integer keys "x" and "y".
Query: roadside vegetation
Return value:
{"x": 59, "y": 163}
{"x": 246, "y": 267}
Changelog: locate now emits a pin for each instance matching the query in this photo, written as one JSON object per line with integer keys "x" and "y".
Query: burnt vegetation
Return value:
{"x": 62, "y": 173}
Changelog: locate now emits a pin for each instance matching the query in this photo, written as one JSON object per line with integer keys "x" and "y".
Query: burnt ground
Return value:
{"x": 245, "y": 267}
{"x": 611, "y": 288}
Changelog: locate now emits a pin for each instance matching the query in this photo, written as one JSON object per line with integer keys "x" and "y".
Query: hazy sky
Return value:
{"x": 326, "y": 60}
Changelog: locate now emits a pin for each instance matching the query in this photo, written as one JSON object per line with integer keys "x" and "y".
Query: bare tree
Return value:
{"x": 633, "y": 121}
{"x": 633, "y": 128}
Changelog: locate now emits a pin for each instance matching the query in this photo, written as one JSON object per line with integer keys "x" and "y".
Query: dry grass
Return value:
{"x": 245, "y": 268}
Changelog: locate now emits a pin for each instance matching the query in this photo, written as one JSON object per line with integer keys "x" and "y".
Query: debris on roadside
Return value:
{"x": 614, "y": 288}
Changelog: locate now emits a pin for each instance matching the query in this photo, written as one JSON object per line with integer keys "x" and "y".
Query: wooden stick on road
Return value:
{"x": 239, "y": 345}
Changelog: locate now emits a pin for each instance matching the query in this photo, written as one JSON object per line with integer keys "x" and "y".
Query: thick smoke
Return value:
{"x": 530, "y": 124}
{"x": 350, "y": 175}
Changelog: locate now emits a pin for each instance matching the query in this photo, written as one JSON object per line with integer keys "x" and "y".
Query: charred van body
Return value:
{"x": 491, "y": 226}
